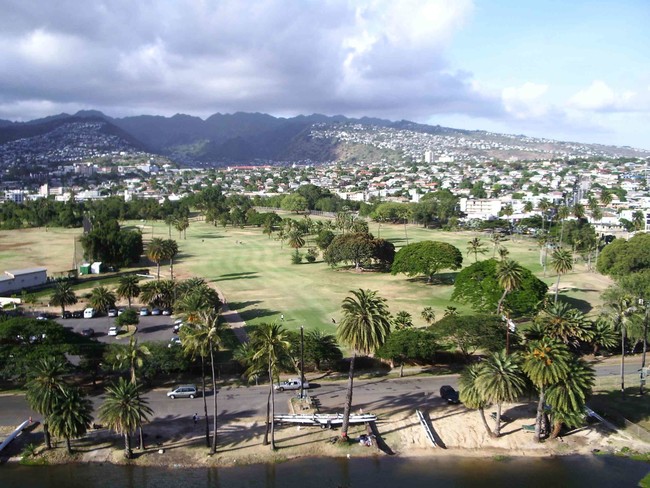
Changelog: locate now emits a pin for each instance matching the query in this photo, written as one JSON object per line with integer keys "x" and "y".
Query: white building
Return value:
{"x": 18, "y": 279}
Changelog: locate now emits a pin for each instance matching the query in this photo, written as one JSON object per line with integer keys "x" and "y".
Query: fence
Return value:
{"x": 636, "y": 430}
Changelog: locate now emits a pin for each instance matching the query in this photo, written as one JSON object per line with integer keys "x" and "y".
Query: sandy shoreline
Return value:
{"x": 460, "y": 431}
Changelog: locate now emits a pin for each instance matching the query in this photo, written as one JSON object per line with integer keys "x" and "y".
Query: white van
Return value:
{"x": 89, "y": 313}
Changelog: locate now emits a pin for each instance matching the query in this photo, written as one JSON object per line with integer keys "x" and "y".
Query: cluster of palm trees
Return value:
{"x": 159, "y": 250}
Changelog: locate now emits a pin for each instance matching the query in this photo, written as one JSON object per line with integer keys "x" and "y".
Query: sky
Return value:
{"x": 575, "y": 70}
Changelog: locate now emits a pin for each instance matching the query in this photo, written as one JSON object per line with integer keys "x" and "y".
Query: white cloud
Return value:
{"x": 525, "y": 101}
{"x": 601, "y": 97}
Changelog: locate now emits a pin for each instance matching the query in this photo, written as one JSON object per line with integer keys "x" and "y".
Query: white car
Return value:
{"x": 175, "y": 341}
{"x": 144, "y": 311}
{"x": 112, "y": 312}
{"x": 292, "y": 384}
{"x": 113, "y": 331}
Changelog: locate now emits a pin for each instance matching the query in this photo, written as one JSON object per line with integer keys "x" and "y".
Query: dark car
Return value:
{"x": 449, "y": 394}
{"x": 66, "y": 315}
{"x": 88, "y": 332}
{"x": 78, "y": 314}
{"x": 155, "y": 311}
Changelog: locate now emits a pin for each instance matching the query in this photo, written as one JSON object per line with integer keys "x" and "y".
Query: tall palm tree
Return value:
{"x": 124, "y": 410}
{"x": 364, "y": 328}
{"x": 620, "y": 309}
{"x": 44, "y": 389}
{"x": 528, "y": 207}
{"x": 565, "y": 323}
{"x": 562, "y": 263}
{"x": 102, "y": 299}
{"x": 158, "y": 293}
{"x": 128, "y": 287}
{"x": 476, "y": 247}
{"x": 63, "y": 295}
{"x": 170, "y": 249}
{"x": 271, "y": 345}
{"x": 134, "y": 357}
{"x": 156, "y": 253}
{"x": 181, "y": 224}
{"x": 545, "y": 363}
{"x": 563, "y": 213}
{"x": 567, "y": 398}
{"x": 296, "y": 238}
{"x": 509, "y": 276}
{"x": 71, "y": 415}
{"x": 500, "y": 380}
{"x": 606, "y": 197}
{"x": 544, "y": 205}
{"x": 496, "y": 242}
{"x": 470, "y": 393}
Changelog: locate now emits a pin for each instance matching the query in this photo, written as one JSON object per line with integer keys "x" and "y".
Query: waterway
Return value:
{"x": 569, "y": 471}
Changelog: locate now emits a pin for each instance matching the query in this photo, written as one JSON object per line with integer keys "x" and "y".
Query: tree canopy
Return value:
{"x": 469, "y": 333}
{"x": 479, "y": 286}
{"x": 426, "y": 258}
{"x": 622, "y": 257}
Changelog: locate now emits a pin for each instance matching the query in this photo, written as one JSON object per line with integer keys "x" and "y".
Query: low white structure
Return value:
{"x": 17, "y": 279}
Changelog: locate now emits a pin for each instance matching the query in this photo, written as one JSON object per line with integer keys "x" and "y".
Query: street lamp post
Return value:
{"x": 302, "y": 360}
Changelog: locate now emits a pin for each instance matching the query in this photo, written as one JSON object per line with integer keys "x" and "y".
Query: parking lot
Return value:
{"x": 150, "y": 328}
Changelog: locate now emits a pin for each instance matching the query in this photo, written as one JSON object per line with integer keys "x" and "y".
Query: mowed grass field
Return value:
{"x": 257, "y": 278}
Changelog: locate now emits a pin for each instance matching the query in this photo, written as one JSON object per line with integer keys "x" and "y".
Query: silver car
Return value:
{"x": 183, "y": 391}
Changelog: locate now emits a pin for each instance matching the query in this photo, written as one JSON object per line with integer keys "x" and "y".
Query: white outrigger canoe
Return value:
{"x": 324, "y": 420}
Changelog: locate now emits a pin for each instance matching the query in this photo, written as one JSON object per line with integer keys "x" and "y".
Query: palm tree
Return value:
{"x": 181, "y": 224}
{"x": 124, "y": 410}
{"x": 170, "y": 250}
{"x": 528, "y": 207}
{"x": 544, "y": 205}
{"x": 496, "y": 242}
{"x": 606, "y": 197}
{"x": 638, "y": 219}
{"x": 545, "y": 363}
{"x": 44, "y": 389}
{"x": 128, "y": 287}
{"x": 158, "y": 293}
{"x": 102, "y": 299}
{"x": 563, "y": 213}
{"x": 603, "y": 335}
{"x": 71, "y": 415}
{"x": 562, "y": 263}
{"x": 567, "y": 398}
{"x": 296, "y": 239}
{"x": 402, "y": 320}
{"x": 156, "y": 253}
{"x": 470, "y": 393}
{"x": 500, "y": 380}
{"x": 364, "y": 328}
{"x": 320, "y": 346}
{"x": 269, "y": 341}
{"x": 620, "y": 310}
{"x": 476, "y": 247}
{"x": 429, "y": 315}
{"x": 565, "y": 323}
{"x": 509, "y": 276}
{"x": 63, "y": 295}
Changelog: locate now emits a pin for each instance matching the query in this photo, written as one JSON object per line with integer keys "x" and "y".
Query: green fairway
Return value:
{"x": 256, "y": 275}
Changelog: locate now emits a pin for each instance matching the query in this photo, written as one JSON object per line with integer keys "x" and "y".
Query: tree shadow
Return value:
{"x": 256, "y": 313}
{"x": 582, "y": 305}
{"x": 207, "y": 236}
{"x": 236, "y": 276}
{"x": 241, "y": 305}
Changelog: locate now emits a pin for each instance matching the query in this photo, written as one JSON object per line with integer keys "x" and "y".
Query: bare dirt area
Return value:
{"x": 460, "y": 432}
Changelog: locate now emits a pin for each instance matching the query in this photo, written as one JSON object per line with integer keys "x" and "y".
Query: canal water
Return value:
{"x": 569, "y": 471}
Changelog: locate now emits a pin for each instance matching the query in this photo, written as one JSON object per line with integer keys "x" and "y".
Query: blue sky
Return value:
{"x": 573, "y": 70}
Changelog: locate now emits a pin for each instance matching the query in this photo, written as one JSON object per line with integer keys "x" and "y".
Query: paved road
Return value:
{"x": 247, "y": 402}
{"x": 150, "y": 328}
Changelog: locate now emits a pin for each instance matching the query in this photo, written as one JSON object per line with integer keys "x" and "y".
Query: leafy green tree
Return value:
{"x": 545, "y": 362}
{"x": 408, "y": 345}
{"x": 469, "y": 333}
{"x": 102, "y": 299}
{"x": 426, "y": 258}
{"x": 351, "y": 247}
{"x": 478, "y": 286}
{"x": 128, "y": 317}
{"x": 63, "y": 295}
{"x": 364, "y": 328}
{"x": 113, "y": 246}
{"x": 44, "y": 389}
{"x": 324, "y": 239}
{"x": 500, "y": 380}
{"x": 71, "y": 415}
{"x": 269, "y": 341}
{"x": 621, "y": 257}
{"x": 294, "y": 203}
{"x": 128, "y": 287}
{"x": 124, "y": 410}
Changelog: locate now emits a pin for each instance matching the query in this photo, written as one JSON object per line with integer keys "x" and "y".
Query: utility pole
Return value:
{"x": 302, "y": 360}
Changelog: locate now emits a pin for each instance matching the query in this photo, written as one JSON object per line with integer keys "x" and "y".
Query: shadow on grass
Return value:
{"x": 207, "y": 236}
{"x": 437, "y": 279}
{"x": 615, "y": 406}
{"x": 256, "y": 313}
{"x": 236, "y": 276}
{"x": 582, "y": 305}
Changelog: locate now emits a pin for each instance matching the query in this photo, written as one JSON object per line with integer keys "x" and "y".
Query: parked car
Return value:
{"x": 113, "y": 331}
{"x": 292, "y": 384}
{"x": 88, "y": 332}
{"x": 184, "y": 391}
{"x": 112, "y": 312}
{"x": 120, "y": 311}
{"x": 174, "y": 341}
{"x": 155, "y": 311}
{"x": 448, "y": 393}
{"x": 78, "y": 314}
{"x": 89, "y": 313}
{"x": 177, "y": 327}
{"x": 41, "y": 316}
{"x": 167, "y": 311}
{"x": 66, "y": 315}
{"x": 144, "y": 311}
